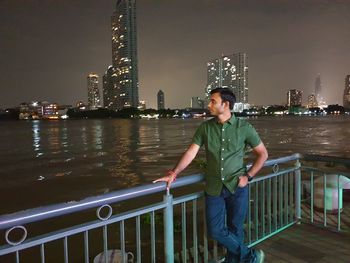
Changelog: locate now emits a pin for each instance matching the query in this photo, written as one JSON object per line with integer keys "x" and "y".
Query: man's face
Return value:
{"x": 216, "y": 106}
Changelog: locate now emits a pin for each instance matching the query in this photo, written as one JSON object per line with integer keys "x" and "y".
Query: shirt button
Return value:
{"x": 223, "y": 129}
{"x": 223, "y": 149}
{"x": 222, "y": 179}
{"x": 223, "y": 140}
{"x": 222, "y": 169}
{"x": 222, "y": 159}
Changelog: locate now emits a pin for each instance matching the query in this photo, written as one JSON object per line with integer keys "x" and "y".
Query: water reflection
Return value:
{"x": 97, "y": 135}
{"x": 54, "y": 140}
{"x": 126, "y": 140}
{"x": 84, "y": 137}
{"x": 79, "y": 158}
{"x": 36, "y": 137}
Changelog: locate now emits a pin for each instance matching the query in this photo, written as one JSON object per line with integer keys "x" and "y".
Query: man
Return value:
{"x": 225, "y": 138}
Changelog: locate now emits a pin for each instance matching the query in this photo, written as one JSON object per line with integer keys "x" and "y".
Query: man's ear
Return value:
{"x": 227, "y": 104}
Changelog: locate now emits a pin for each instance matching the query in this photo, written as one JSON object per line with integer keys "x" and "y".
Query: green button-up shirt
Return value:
{"x": 225, "y": 146}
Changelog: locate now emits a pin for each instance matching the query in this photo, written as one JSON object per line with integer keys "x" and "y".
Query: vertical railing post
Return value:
{"x": 168, "y": 229}
{"x": 297, "y": 190}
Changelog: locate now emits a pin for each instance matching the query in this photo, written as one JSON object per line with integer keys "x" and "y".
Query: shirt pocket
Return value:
{"x": 235, "y": 143}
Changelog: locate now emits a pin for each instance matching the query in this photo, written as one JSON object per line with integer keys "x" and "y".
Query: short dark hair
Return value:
{"x": 226, "y": 95}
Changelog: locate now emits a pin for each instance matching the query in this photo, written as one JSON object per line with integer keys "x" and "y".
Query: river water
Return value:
{"x": 45, "y": 162}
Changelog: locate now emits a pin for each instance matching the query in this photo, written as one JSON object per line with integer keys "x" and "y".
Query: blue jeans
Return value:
{"x": 234, "y": 207}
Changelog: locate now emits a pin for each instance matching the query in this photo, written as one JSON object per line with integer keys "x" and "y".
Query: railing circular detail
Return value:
{"x": 15, "y": 243}
{"x": 275, "y": 168}
{"x": 109, "y": 214}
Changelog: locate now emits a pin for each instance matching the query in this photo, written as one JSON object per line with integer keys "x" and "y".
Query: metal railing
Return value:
{"x": 275, "y": 204}
{"x": 322, "y": 191}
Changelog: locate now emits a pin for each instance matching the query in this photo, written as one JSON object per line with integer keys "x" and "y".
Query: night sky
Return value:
{"x": 47, "y": 48}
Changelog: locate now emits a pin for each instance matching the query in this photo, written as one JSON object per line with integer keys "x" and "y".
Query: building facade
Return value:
{"x": 93, "y": 91}
{"x": 160, "y": 100}
{"x": 318, "y": 87}
{"x": 311, "y": 101}
{"x": 197, "y": 103}
{"x": 346, "y": 97}
{"x": 294, "y": 98}
{"x": 124, "y": 54}
{"x": 229, "y": 71}
{"x": 142, "y": 105}
{"x": 110, "y": 98}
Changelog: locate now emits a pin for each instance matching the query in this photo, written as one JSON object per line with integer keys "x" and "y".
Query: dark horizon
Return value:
{"x": 49, "y": 47}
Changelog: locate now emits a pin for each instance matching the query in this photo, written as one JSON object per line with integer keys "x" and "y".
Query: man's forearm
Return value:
{"x": 257, "y": 165}
{"x": 262, "y": 155}
{"x": 186, "y": 158}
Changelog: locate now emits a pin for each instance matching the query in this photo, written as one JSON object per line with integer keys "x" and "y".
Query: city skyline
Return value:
{"x": 288, "y": 44}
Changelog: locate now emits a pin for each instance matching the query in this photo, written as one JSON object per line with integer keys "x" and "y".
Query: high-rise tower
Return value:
{"x": 294, "y": 98}
{"x": 318, "y": 87}
{"x": 160, "y": 100}
{"x": 229, "y": 72}
{"x": 346, "y": 97}
{"x": 110, "y": 98}
{"x": 93, "y": 91}
{"x": 124, "y": 53}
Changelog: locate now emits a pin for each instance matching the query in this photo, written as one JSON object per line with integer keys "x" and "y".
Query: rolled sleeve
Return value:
{"x": 198, "y": 137}
{"x": 252, "y": 137}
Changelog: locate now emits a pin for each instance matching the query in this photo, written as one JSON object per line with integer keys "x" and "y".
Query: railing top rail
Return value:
{"x": 41, "y": 213}
{"x": 325, "y": 158}
{"x": 50, "y": 211}
{"x": 284, "y": 159}
{"x": 323, "y": 171}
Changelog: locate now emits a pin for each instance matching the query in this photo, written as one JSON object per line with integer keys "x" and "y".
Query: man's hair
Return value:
{"x": 226, "y": 95}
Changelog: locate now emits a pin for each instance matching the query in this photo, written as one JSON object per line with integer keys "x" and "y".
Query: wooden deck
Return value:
{"x": 305, "y": 243}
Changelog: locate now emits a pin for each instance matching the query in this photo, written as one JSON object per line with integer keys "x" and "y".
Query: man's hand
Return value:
{"x": 243, "y": 181}
{"x": 171, "y": 177}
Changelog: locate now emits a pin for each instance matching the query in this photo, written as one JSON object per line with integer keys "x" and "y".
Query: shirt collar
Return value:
{"x": 230, "y": 120}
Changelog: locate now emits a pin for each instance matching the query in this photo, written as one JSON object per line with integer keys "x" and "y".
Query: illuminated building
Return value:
{"x": 110, "y": 89}
{"x": 142, "y": 105}
{"x": 229, "y": 71}
{"x": 311, "y": 101}
{"x": 318, "y": 87}
{"x": 50, "y": 110}
{"x": 197, "y": 103}
{"x": 40, "y": 110}
{"x": 93, "y": 91}
{"x": 124, "y": 54}
{"x": 160, "y": 100}
{"x": 294, "y": 98}
{"x": 321, "y": 102}
{"x": 346, "y": 97}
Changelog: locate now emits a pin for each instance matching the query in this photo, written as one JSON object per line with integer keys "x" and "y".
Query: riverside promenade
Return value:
{"x": 305, "y": 243}
{"x": 287, "y": 222}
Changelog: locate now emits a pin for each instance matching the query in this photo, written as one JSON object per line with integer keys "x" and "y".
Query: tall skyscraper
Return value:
{"x": 229, "y": 72}
{"x": 110, "y": 98}
{"x": 160, "y": 100}
{"x": 321, "y": 102}
{"x": 346, "y": 97}
{"x": 124, "y": 53}
{"x": 318, "y": 87}
{"x": 93, "y": 91}
{"x": 294, "y": 98}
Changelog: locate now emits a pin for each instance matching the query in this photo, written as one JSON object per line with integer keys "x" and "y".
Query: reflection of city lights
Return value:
{"x": 36, "y": 135}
